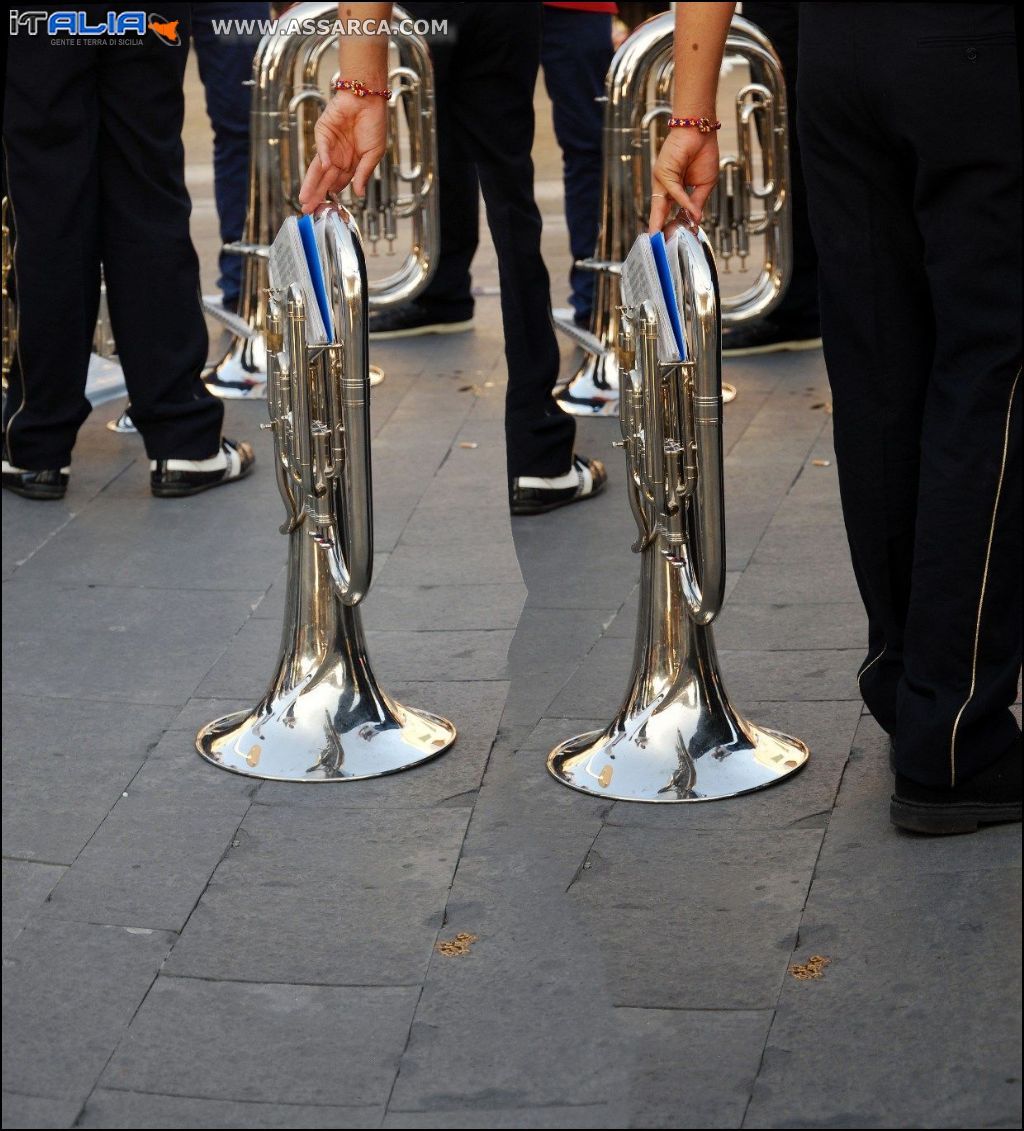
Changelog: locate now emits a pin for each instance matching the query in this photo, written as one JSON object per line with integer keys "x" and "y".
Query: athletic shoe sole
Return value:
{"x": 257, "y": 392}
{"x": 544, "y": 508}
{"x": 418, "y": 331}
{"x": 794, "y": 346}
{"x": 579, "y": 406}
{"x": 182, "y": 491}
{"x": 951, "y": 819}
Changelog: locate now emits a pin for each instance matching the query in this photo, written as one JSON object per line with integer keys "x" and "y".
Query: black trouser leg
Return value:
{"x": 50, "y": 126}
{"x": 919, "y": 241}
{"x": 449, "y": 292}
{"x": 96, "y": 170}
{"x": 576, "y": 51}
{"x": 150, "y": 265}
{"x": 799, "y": 306}
{"x": 490, "y": 70}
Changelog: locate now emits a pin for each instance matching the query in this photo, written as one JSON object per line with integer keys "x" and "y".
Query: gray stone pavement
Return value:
{"x": 183, "y": 947}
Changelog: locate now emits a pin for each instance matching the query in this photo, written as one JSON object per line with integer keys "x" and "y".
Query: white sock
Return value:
{"x": 226, "y": 457}
{"x": 10, "y": 469}
{"x": 578, "y": 473}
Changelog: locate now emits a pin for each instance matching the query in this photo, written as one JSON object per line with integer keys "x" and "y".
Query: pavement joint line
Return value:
{"x": 126, "y": 1029}
{"x": 799, "y": 927}
{"x": 751, "y": 1009}
{"x": 33, "y": 860}
{"x": 444, "y": 922}
{"x": 230, "y": 1099}
{"x": 277, "y": 982}
{"x": 49, "y": 538}
{"x": 578, "y": 874}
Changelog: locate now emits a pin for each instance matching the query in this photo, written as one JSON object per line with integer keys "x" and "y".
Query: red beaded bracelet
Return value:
{"x": 359, "y": 89}
{"x": 705, "y": 125}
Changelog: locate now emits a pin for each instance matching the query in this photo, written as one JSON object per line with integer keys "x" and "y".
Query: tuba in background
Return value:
{"x": 747, "y": 215}
{"x": 676, "y": 736}
{"x": 399, "y": 217}
{"x": 324, "y": 718}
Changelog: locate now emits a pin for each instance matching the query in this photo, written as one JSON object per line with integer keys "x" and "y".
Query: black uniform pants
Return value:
{"x": 485, "y": 72}
{"x": 798, "y": 310}
{"x": 95, "y": 171}
{"x": 910, "y": 125}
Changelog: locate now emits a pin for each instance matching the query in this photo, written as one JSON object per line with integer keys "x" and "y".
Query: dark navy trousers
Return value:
{"x": 911, "y": 137}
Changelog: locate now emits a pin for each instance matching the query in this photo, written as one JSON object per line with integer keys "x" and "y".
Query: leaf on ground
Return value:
{"x": 456, "y": 947}
{"x": 810, "y": 970}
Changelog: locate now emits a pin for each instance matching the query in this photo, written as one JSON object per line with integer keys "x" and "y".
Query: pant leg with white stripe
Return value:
{"x": 912, "y": 143}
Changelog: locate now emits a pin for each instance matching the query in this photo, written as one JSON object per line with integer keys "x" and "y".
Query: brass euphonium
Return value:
{"x": 676, "y": 737}
{"x": 751, "y": 199}
{"x": 324, "y": 718}
{"x": 287, "y": 97}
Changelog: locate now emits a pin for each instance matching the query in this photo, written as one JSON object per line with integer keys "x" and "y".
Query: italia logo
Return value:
{"x": 79, "y": 25}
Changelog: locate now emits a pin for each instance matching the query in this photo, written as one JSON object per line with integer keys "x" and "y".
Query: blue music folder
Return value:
{"x": 668, "y": 289}
{"x": 316, "y": 272}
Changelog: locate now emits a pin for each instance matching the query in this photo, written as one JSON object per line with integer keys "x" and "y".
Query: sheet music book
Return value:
{"x": 648, "y": 276}
{"x": 289, "y": 263}
{"x": 312, "y": 243}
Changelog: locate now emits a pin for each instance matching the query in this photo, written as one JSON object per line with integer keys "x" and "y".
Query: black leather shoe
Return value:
{"x": 535, "y": 496}
{"x": 410, "y": 320}
{"x": 49, "y": 484}
{"x": 992, "y": 797}
{"x": 178, "y": 478}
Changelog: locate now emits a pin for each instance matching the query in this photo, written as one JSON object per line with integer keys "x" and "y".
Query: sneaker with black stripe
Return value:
{"x": 179, "y": 478}
{"x": 535, "y": 495}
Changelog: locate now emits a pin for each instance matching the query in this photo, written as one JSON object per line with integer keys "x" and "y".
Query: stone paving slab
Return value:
{"x": 729, "y": 911}
{"x": 281, "y": 1044}
{"x": 548, "y": 1115}
{"x": 31, "y": 1112}
{"x": 26, "y": 886}
{"x": 109, "y": 636}
{"x": 152, "y": 857}
{"x": 109, "y": 1108}
{"x": 304, "y": 896}
{"x": 695, "y": 1067}
{"x": 70, "y": 990}
{"x": 514, "y": 1023}
{"x": 915, "y": 1022}
{"x": 65, "y": 764}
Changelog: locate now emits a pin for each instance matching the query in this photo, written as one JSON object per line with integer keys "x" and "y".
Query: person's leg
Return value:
{"x": 797, "y": 313}
{"x": 962, "y": 653}
{"x": 494, "y": 71}
{"x": 150, "y": 265}
{"x": 877, "y": 326}
{"x": 50, "y": 132}
{"x": 449, "y": 294}
{"x": 225, "y": 66}
{"x": 576, "y": 51}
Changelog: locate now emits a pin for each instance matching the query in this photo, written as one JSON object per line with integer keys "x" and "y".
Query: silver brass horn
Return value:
{"x": 676, "y": 737}
{"x": 324, "y": 718}
{"x": 287, "y": 97}
{"x": 751, "y": 200}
